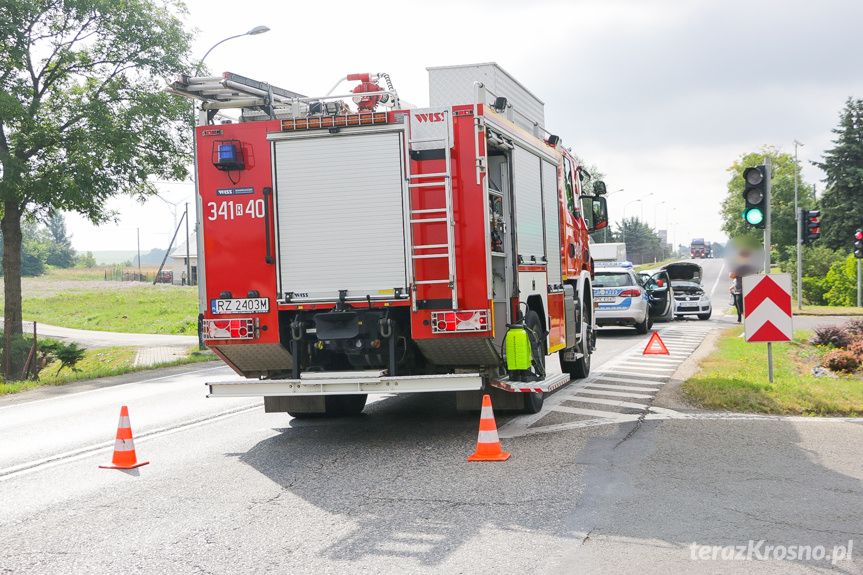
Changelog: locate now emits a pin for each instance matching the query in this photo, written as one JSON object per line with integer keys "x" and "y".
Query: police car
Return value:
{"x": 624, "y": 299}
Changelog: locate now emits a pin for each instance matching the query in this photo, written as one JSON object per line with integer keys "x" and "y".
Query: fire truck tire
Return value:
{"x": 533, "y": 401}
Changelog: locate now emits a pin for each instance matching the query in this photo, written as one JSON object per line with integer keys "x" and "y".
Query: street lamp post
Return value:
{"x": 253, "y": 32}
{"x": 200, "y": 258}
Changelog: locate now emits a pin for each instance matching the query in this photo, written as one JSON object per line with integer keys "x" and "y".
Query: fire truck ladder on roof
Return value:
{"x": 439, "y": 182}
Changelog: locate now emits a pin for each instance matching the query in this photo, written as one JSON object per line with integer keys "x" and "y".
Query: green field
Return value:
{"x": 144, "y": 309}
{"x": 82, "y": 299}
{"x": 734, "y": 378}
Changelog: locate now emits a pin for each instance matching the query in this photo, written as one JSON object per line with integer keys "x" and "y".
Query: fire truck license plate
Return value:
{"x": 240, "y": 305}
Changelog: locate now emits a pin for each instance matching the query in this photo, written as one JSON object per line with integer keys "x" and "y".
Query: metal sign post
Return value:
{"x": 767, "y": 186}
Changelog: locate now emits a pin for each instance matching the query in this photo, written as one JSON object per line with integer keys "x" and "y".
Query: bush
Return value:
{"x": 68, "y": 354}
{"x": 856, "y": 348}
{"x": 854, "y": 326}
{"x": 814, "y": 290}
{"x": 840, "y": 360}
{"x": 830, "y": 335}
{"x": 841, "y": 283}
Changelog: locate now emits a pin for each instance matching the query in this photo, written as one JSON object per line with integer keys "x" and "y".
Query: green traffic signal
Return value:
{"x": 755, "y": 196}
{"x": 753, "y": 217}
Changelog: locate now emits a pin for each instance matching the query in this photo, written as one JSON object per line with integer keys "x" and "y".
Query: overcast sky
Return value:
{"x": 661, "y": 95}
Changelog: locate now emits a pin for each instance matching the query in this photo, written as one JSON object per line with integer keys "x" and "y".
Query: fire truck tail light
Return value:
{"x": 362, "y": 119}
{"x": 242, "y": 328}
{"x": 459, "y": 321}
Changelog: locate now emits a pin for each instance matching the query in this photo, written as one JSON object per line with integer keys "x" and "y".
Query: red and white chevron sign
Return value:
{"x": 767, "y": 307}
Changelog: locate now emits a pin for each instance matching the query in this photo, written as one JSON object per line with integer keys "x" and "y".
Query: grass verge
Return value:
{"x": 140, "y": 309}
{"x": 734, "y": 378}
{"x": 826, "y": 310}
{"x": 96, "y": 363}
{"x": 650, "y": 265}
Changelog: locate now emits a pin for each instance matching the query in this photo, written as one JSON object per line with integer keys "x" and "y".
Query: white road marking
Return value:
{"x": 716, "y": 283}
{"x": 613, "y": 387}
{"x": 588, "y": 412}
{"x": 628, "y": 380}
{"x": 644, "y": 374}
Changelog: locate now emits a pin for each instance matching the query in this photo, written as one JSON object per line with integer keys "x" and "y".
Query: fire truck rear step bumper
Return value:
{"x": 551, "y": 382}
{"x": 346, "y": 383}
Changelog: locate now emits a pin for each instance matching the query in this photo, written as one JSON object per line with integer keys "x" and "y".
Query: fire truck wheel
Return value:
{"x": 533, "y": 401}
{"x": 578, "y": 369}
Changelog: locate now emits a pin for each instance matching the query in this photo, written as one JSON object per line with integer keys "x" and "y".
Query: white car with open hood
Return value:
{"x": 690, "y": 298}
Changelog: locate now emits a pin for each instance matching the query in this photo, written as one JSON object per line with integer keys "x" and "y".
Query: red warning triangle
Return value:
{"x": 655, "y": 346}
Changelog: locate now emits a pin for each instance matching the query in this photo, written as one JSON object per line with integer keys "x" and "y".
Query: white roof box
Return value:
{"x": 453, "y": 86}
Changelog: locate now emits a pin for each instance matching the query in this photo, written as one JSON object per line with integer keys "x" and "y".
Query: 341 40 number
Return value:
{"x": 229, "y": 210}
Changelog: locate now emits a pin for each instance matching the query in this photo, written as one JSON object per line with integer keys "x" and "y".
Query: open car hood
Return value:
{"x": 684, "y": 271}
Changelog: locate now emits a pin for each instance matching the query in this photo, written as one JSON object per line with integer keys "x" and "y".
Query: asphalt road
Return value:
{"x": 230, "y": 489}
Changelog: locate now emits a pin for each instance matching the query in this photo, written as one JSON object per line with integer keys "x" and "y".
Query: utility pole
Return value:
{"x": 188, "y": 261}
{"x": 799, "y": 234}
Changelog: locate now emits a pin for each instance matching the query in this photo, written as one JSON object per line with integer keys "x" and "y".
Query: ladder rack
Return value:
{"x": 234, "y": 91}
{"x": 440, "y": 182}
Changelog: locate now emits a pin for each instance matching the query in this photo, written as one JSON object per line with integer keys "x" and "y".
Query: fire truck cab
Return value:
{"x": 351, "y": 245}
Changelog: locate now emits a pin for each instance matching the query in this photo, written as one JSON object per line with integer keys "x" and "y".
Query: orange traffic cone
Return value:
{"x": 488, "y": 443}
{"x": 124, "y": 447}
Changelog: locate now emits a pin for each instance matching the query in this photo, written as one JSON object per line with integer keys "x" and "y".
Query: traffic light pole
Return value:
{"x": 767, "y": 218}
{"x": 858, "y": 282}
{"x": 800, "y": 220}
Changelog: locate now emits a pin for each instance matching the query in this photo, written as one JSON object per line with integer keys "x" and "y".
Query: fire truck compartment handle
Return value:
{"x": 267, "y": 192}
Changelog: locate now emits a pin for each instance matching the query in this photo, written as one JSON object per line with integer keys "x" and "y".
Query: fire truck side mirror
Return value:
{"x": 595, "y": 212}
{"x": 599, "y": 188}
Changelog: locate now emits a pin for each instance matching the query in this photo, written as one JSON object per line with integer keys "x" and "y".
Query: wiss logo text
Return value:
{"x": 434, "y": 117}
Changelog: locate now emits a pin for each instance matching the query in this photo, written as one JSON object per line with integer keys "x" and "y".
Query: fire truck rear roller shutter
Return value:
{"x": 326, "y": 187}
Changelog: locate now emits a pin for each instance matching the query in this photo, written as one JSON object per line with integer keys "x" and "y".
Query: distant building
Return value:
{"x": 188, "y": 250}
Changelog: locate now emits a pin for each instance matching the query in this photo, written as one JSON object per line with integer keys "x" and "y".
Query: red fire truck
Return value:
{"x": 352, "y": 244}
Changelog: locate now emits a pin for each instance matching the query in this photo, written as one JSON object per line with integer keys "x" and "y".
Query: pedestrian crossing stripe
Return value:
{"x": 628, "y": 382}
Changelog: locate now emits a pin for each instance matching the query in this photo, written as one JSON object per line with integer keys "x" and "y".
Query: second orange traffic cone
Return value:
{"x": 124, "y": 447}
{"x": 488, "y": 443}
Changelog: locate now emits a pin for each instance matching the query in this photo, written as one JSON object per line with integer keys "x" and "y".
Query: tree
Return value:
{"x": 83, "y": 113}
{"x": 85, "y": 260}
{"x": 842, "y": 201}
{"x": 60, "y": 251}
{"x": 642, "y": 243}
{"x": 784, "y": 223}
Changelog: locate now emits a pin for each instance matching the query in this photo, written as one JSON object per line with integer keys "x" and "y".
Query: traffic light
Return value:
{"x": 755, "y": 196}
{"x": 858, "y": 244}
{"x": 811, "y": 226}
